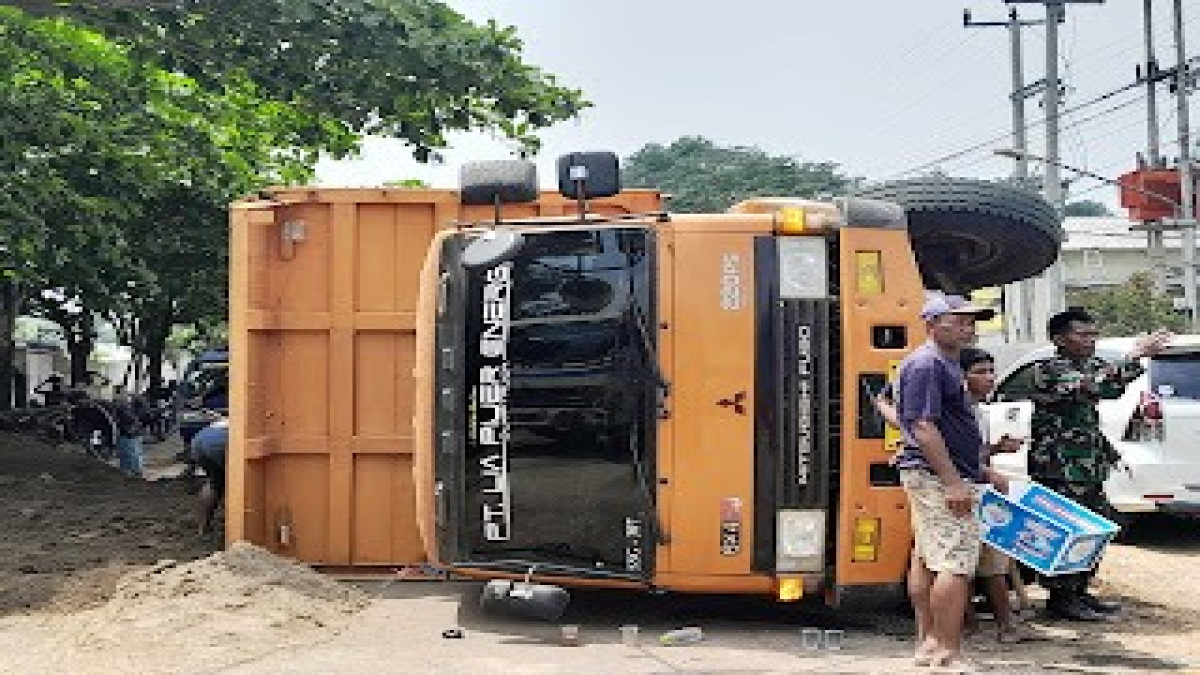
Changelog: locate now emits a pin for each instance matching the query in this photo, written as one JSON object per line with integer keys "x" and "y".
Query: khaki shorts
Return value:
{"x": 944, "y": 542}
{"x": 992, "y": 563}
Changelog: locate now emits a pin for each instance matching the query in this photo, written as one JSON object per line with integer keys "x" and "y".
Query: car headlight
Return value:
{"x": 800, "y": 541}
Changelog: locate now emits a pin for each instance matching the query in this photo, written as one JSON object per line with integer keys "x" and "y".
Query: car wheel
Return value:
{"x": 970, "y": 234}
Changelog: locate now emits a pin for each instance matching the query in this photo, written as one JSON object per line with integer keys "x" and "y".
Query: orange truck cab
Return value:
{"x": 679, "y": 402}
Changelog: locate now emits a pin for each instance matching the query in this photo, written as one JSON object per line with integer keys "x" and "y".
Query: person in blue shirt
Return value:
{"x": 209, "y": 447}
{"x": 941, "y": 471}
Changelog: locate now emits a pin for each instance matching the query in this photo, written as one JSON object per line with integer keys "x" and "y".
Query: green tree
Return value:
{"x": 127, "y": 170}
{"x": 59, "y": 172}
{"x": 1087, "y": 209}
{"x": 705, "y": 178}
{"x": 411, "y": 183}
{"x": 1132, "y": 308}
{"x": 410, "y": 69}
{"x": 121, "y": 144}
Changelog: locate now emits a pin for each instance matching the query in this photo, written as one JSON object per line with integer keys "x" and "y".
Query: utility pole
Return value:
{"x": 1186, "y": 180}
{"x": 1154, "y": 231}
{"x": 1054, "y": 277}
{"x": 1019, "y": 92}
{"x": 1151, "y": 77}
{"x": 1018, "y": 297}
{"x": 1056, "y": 299}
{"x": 1021, "y": 171}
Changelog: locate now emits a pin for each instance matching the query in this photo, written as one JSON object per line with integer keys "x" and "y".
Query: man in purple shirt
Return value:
{"x": 940, "y": 471}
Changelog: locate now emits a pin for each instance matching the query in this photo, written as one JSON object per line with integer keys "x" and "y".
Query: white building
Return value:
{"x": 1106, "y": 251}
{"x": 1097, "y": 252}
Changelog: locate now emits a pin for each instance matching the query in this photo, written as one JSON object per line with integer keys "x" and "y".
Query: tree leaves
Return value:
{"x": 705, "y": 178}
{"x": 127, "y": 127}
{"x": 1087, "y": 208}
{"x": 412, "y": 69}
{"x": 1132, "y": 308}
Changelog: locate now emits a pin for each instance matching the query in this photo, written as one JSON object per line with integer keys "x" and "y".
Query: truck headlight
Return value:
{"x": 800, "y": 541}
{"x": 802, "y": 268}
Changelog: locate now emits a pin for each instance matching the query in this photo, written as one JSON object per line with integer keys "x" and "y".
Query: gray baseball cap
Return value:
{"x": 939, "y": 305}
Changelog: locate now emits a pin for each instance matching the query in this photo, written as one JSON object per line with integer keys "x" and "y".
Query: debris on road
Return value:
{"x": 681, "y": 636}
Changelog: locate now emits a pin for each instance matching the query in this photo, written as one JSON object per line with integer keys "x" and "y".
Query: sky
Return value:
{"x": 882, "y": 88}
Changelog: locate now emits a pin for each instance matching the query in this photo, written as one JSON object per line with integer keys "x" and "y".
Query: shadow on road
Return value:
{"x": 1165, "y": 533}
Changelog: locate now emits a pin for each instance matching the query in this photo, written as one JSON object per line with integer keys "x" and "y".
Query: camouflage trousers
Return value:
{"x": 1073, "y": 467}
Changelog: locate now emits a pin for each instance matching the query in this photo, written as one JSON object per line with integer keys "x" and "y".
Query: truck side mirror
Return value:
{"x": 588, "y": 175}
{"x": 506, "y": 181}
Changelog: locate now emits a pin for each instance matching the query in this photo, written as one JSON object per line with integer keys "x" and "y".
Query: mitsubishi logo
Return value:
{"x": 736, "y": 403}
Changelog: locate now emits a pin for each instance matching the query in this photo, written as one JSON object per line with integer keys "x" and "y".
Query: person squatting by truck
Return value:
{"x": 209, "y": 447}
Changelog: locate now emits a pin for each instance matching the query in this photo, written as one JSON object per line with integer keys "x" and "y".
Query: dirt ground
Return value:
{"x": 71, "y": 526}
{"x": 100, "y": 573}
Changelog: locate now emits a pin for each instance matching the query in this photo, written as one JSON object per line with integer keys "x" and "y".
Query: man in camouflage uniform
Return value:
{"x": 1069, "y": 453}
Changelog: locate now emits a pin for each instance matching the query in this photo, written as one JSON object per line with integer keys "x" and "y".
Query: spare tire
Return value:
{"x": 970, "y": 234}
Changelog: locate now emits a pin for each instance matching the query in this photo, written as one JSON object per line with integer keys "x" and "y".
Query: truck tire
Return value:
{"x": 970, "y": 234}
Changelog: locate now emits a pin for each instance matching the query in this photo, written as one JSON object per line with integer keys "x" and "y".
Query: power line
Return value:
{"x": 1075, "y": 124}
{"x": 1073, "y": 58}
{"x": 915, "y": 45}
{"x": 1109, "y": 167}
{"x": 986, "y": 144}
{"x": 913, "y": 102}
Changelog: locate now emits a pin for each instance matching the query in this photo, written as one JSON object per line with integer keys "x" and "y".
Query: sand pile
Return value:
{"x": 171, "y": 615}
{"x": 242, "y": 575}
{"x": 71, "y": 527}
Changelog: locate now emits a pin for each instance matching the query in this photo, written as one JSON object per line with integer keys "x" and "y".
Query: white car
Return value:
{"x": 1154, "y": 426}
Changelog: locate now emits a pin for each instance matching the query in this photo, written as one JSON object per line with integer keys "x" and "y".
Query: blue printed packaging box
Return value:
{"x": 1043, "y": 529}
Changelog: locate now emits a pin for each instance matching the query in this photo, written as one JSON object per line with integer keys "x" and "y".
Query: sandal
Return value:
{"x": 925, "y": 657}
{"x": 957, "y": 666}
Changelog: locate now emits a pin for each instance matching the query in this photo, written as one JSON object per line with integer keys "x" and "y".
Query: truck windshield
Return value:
{"x": 560, "y": 399}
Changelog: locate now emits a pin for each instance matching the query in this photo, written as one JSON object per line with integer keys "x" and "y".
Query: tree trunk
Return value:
{"x": 155, "y": 364}
{"x": 8, "y": 348}
{"x": 80, "y": 341}
{"x": 154, "y": 333}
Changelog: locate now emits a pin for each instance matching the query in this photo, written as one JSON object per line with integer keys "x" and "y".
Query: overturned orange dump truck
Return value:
{"x": 323, "y": 298}
{"x": 682, "y": 402}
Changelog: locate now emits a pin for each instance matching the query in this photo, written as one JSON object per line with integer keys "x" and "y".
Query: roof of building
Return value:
{"x": 1109, "y": 234}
